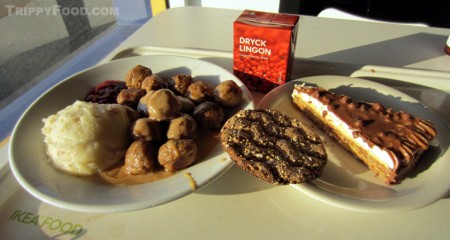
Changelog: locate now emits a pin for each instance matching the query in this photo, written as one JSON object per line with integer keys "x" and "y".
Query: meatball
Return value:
{"x": 140, "y": 158}
{"x": 147, "y": 129}
{"x": 130, "y": 97}
{"x": 180, "y": 83}
{"x": 153, "y": 82}
{"x": 177, "y": 154}
{"x": 228, "y": 94}
{"x": 135, "y": 76}
{"x": 163, "y": 105}
{"x": 209, "y": 115}
{"x": 187, "y": 106}
{"x": 182, "y": 127}
{"x": 200, "y": 91}
{"x": 142, "y": 105}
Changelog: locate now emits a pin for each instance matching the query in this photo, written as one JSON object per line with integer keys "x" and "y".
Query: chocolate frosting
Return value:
{"x": 403, "y": 134}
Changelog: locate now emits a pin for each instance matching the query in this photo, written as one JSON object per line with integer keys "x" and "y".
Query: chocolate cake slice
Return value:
{"x": 390, "y": 143}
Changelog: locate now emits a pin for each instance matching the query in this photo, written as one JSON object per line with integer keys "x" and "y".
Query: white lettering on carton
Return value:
{"x": 254, "y": 46}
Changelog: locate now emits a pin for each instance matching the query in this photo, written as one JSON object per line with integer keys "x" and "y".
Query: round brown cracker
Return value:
{"x": 273, "y": 146}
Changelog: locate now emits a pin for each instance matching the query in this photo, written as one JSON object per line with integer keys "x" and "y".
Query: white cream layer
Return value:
{"x": 378, "y": 153}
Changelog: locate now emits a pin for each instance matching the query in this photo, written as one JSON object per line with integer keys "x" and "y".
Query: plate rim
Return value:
{"x": 346, "y": 202}
{"x": 116, "y": 207}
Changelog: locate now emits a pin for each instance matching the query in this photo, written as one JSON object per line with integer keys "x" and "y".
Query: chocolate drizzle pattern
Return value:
{"x": 403, "y": 134}
{"x": 273, "y": 146}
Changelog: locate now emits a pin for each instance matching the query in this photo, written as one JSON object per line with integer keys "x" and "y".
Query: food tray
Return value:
{"x": 430, "y": 87}
{"x": 19, "y": 210}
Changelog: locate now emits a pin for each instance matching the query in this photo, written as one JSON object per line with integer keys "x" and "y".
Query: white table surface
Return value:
{"x": 322, "y": 39}
{"x": 237, "y": 205}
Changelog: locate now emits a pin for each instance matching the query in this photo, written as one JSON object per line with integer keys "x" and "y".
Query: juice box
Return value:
{"x": 264, "y": 45}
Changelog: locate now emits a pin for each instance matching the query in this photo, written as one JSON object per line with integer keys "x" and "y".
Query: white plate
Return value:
{"x": 348, "y": 183}
{"x": 27, "y": 154}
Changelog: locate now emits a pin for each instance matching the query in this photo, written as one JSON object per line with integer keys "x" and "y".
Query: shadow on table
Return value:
{"x": 397, "y": 52}
{"x": 236, "y": 181}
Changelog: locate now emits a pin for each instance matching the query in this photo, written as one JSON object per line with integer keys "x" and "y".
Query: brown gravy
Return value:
{"x": 206, "y": 142}
{"x": 119, "y": 176}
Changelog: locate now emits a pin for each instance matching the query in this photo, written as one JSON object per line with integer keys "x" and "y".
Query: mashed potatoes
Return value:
{"x": 87, "y": 137}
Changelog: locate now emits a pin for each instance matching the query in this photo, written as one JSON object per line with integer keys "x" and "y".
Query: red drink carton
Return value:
{"x": 264, "y": 45}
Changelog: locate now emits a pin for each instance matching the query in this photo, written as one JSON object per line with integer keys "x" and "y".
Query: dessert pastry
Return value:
{"x": 389, "y": 143}
{"x": 273, "y": 147}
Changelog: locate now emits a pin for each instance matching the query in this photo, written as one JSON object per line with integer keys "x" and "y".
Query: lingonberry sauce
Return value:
{"x": 106, "y": 92}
